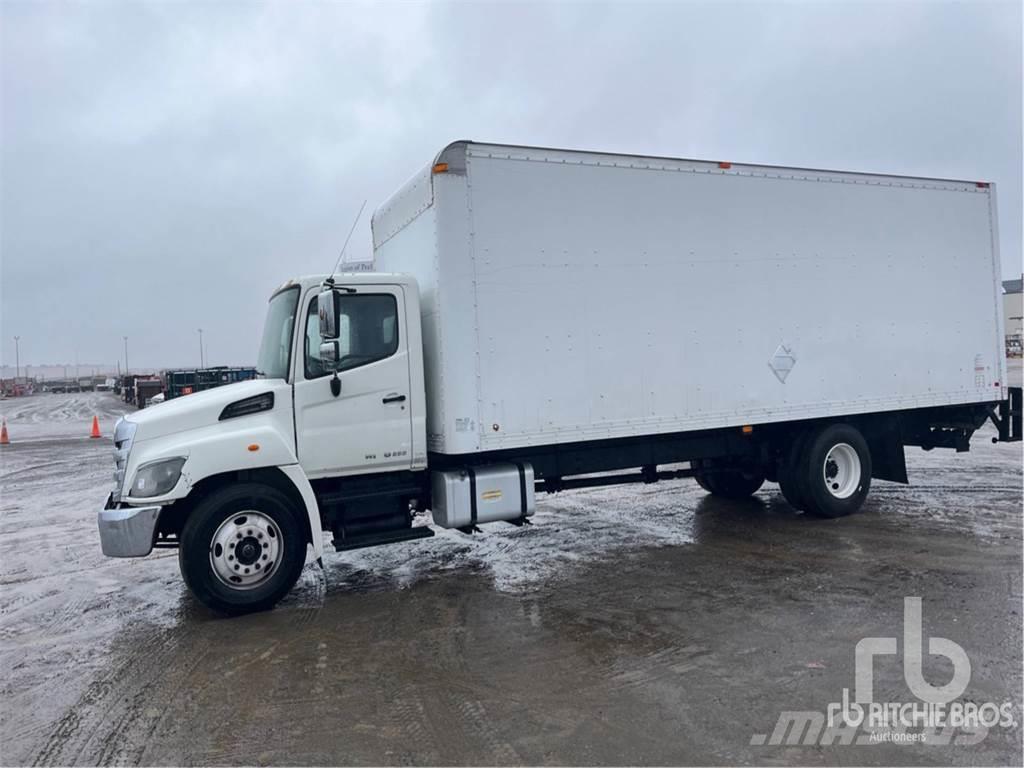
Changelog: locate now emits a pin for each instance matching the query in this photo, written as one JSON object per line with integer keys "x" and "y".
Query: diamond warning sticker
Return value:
{"x": 782, "y": 362}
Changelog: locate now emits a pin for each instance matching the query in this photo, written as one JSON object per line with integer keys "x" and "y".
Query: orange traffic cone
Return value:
{"x": 95, "y": 427}
{"x": 4, "y": 439}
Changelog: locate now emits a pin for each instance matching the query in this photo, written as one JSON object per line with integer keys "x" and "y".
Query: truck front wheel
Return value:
{"x": 834, "y": 471}
{"x": 242, "y": 548}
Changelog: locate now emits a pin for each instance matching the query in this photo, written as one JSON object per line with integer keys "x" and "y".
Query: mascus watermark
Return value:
{"x": 936, "y": 717}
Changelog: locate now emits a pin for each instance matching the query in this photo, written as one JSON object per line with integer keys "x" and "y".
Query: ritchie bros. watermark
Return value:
{"x": 935, "y": 716}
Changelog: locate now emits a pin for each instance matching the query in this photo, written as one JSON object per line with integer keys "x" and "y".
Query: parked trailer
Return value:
{"x": 187, "y": 382}
{"x": 146, "y": 387}
{"x": 547, "y": 320}
{"x": 128, "y": 388}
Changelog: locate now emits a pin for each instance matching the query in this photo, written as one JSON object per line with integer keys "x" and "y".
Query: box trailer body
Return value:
{"x": 543, "y": 320}
{"x": 571, "y": 296}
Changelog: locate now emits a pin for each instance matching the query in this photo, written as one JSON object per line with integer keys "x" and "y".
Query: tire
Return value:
{"x": 834, "y": 472}
{"x": 260, "y": 525}
{"x": 728, "y": 482}
{"x": 789, "y": 476}
{"x": 699, "y": 476}
{"x": 736, "y": 484}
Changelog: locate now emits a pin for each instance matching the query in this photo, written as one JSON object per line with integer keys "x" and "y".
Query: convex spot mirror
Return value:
{"x": 330, "y": 353}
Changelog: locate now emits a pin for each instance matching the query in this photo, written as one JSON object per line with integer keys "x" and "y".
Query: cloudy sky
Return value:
{"x": 164, "y": 166}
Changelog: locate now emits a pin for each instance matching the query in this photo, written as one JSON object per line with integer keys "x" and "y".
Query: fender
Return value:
{"x": 296, "y": 475}
{"x": 250, "y": 442}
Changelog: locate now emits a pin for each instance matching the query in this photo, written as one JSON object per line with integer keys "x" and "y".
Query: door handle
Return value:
{"x": 393, "y": 399}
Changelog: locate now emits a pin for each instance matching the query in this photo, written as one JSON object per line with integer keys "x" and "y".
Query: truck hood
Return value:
{"x": 197, "y": 410}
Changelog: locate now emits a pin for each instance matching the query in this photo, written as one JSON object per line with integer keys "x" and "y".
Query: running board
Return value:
{"x": 383, "y": 537}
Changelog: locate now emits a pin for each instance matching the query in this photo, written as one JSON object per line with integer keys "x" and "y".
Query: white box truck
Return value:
{"x": 545, "y": 320}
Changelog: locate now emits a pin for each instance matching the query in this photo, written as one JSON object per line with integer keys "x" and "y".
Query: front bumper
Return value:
{"x": 128, "y": 531}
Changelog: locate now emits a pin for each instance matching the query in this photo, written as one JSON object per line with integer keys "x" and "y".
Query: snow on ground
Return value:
{"x": 85, "y": 639}
{"x": 47, "y": 416}
{"x": 568, "y": 530}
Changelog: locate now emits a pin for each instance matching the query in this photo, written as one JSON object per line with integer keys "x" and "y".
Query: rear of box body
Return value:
{"x": 570, "y": 296}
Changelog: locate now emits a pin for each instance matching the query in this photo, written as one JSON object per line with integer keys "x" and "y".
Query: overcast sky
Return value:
{"x": 164, "y": 167}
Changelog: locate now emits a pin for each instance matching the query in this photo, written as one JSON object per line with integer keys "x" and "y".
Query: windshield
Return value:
{"x": 276, "y": 347}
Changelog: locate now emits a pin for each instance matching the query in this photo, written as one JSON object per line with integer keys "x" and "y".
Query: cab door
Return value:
{"x": 367, "y": 427}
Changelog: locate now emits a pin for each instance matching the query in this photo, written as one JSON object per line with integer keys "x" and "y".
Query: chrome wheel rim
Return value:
{"x": 246, "y": 550}
{"x": 841, "y": 471}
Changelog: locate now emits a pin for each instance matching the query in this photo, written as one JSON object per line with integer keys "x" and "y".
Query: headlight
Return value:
{"x": 157, "y": 477}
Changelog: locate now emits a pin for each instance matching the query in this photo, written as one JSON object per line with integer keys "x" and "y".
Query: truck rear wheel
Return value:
{"x": 834, "y": 473}
{"x": 242, "y": 549}
{"x": 728, "y": 482}
{"x": 790, "y": 482}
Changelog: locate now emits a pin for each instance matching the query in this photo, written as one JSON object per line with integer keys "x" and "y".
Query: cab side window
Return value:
{"x": 367, "y": 332}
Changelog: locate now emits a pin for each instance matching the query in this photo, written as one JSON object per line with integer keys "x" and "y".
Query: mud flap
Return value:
{"x": 1007, "y": 417}
{"x": 888, "y": 461}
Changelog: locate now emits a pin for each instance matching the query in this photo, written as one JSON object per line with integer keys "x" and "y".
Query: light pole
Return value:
{"x": 125, "y": 355}
{"x": 202, "y": 362}
{"x": 17, "y": 358}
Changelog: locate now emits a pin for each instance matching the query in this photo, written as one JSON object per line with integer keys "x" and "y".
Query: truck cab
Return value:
{"x": 365, "y": 412}
{"x": 243, "y": 479}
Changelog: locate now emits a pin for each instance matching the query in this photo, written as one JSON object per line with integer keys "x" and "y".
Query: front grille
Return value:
{"x": 124, "y": 433}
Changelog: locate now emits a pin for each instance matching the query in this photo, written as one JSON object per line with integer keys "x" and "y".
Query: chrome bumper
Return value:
{"x": 127, "y": 532}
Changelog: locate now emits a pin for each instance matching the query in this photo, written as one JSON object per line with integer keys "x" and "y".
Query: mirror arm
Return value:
{"x": 330, "y": 285}
{"x": 335, "y": 384}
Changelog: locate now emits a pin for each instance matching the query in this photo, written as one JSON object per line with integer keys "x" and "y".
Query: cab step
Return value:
{"x": 382, "y": 537}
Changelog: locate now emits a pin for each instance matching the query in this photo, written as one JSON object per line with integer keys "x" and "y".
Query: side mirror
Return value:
{"x": 327, "y": 308}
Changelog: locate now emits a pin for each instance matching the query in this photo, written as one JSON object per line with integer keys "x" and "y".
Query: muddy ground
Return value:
{"x": 648, "y": 625}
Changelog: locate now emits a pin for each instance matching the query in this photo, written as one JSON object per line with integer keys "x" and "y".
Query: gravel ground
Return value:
{"x": 646, "y": 624}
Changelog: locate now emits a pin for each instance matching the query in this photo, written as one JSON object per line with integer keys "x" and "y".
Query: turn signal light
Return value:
{"x": 440, "y": 168}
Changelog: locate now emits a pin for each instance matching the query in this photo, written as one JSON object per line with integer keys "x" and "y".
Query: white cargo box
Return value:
{"x": 571, "y": 296}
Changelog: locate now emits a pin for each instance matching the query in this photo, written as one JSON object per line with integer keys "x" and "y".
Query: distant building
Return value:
{"x": 1013, "y": 316}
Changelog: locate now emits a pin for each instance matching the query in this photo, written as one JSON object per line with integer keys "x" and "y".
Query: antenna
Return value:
{"x": 345, "y": 245}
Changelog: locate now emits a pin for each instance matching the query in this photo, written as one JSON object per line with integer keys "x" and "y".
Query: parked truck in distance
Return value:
{"x": 189, "y": 381}
{"x": 545, "y": 320}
